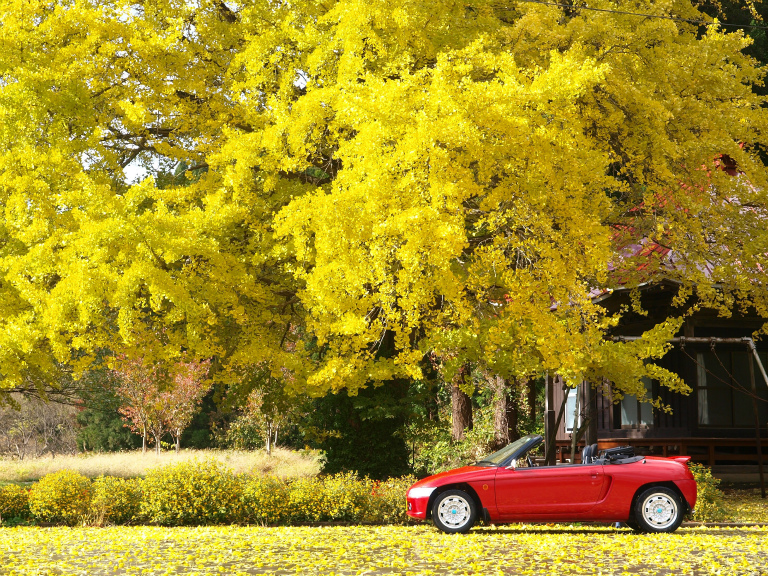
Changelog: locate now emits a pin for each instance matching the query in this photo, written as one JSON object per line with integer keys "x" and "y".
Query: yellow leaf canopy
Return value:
{"x": 453, "y": 177}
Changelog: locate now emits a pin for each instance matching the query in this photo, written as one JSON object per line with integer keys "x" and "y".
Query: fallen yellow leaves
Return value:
{"x": 745, "y": 505}
{"x": 358, "y": 550}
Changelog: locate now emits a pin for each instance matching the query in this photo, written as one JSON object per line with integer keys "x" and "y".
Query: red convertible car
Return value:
{"x": 649, "y": 494}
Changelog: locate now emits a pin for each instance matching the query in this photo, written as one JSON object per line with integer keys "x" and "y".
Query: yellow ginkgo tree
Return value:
{"x": 492, "y": 177}
{"x": 455, "y": 177}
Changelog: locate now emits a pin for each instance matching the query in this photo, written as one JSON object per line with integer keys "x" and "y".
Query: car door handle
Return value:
{"x": 594, "y": 475}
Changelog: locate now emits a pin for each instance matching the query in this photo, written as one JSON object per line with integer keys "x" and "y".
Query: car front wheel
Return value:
{"x": 634, "y": 525}
{"x": 658, "y": 509}
{"x": 454, "y": 511}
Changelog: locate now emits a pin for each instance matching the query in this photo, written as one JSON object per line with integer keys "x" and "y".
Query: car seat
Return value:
{"x": 588, "y": 454}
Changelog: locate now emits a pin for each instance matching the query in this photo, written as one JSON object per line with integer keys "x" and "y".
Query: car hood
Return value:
{"x": 464, "y": 474}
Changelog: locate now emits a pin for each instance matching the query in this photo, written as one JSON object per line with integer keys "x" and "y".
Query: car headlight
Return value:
{"x": 420, "y": 492}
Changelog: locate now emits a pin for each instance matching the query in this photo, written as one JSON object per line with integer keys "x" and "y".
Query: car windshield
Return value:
{"x": 501, "y": 455}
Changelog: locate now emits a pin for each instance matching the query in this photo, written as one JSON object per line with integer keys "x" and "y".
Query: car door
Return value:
{"x": 548, "y": 490}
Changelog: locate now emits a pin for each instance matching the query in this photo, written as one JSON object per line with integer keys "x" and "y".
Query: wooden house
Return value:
{"x": 714, "y": 424}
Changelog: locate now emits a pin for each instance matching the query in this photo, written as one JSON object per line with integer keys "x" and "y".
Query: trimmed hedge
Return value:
{"x": 191, "y": 493}
{"x": 264, "y": 501}
{"x": 61, "y": 498}
{"x": 116, "y": 500}
{"x": 204, "y": 493}
{"x": 14, "y": 503}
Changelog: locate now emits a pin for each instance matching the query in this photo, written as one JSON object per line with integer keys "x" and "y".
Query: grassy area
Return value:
{"x": 282, "y": 463}
{"x": 380, "y": 550}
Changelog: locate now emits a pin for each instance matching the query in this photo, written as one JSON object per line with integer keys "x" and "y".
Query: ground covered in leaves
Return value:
{"x": 745, "y": 505}
{"x": 380, "y": 550}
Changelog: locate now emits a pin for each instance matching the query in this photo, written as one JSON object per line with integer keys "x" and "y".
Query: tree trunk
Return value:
{"x": 143, "y": 440}
{"x": 178, "y": 441}
{"x": 461, "y": 406}
{"x": 500, "y": 412}
{"x": 531, "y": 397}
{"x": 513, "y": 413}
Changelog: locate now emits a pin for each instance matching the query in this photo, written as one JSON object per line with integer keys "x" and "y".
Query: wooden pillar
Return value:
{"x": 757, "y": 422}
{"x": 549, "y": 420}
{"x": 590, "y": 401}
{"x": 577, "y": 426}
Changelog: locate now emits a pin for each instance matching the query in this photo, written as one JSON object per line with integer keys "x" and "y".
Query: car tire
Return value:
{"x": 658, "y": 509}
{"x": 454, "y": 511}
{"x": 634, "y": 525}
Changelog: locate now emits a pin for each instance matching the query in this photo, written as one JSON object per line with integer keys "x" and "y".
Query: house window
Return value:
{"x": 570, "y": 406}
{"x": 636, "y": 414}
{"x": 724, "y": 389}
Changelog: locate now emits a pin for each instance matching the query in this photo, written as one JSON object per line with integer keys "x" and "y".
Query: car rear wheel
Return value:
{"x": 454, "y": 511}
{"x": 658, "y": 509}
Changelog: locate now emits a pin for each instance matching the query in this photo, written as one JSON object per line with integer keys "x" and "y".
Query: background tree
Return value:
{"x": 139, "y": 392}
{"x": 190, "y": 385}
{"x": 266, "y": 408}
{"x": 100, "y": 426}
{"x": 33, "y": 427}
{"x": 157, "y": 426}
{"x": 157, "y": 403}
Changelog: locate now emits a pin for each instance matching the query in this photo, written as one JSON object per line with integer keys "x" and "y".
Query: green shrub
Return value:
{"x": 305, "y": 500}
{"x": 338, "y": 498}
{"x": 243, "y": 434}
{"x": 115, "y": 500}
{"x": 191, "y": 493}
{"x": 265, "y": 501}
{"x": 347, "y": 498}
{"x": 14, "y": 503}
{"x": 62, "y": 498}
{"x": 710, "y": 501}
{"x": 435, "y": 451}
{"x": 207, "y": 493}
{"x": 375, "y": 449}
{"x": 388, "y": 503}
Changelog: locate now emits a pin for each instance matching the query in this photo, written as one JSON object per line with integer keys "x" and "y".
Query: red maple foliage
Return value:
{"x": 183, "y": 399}
{"x": 155, "y": 404}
